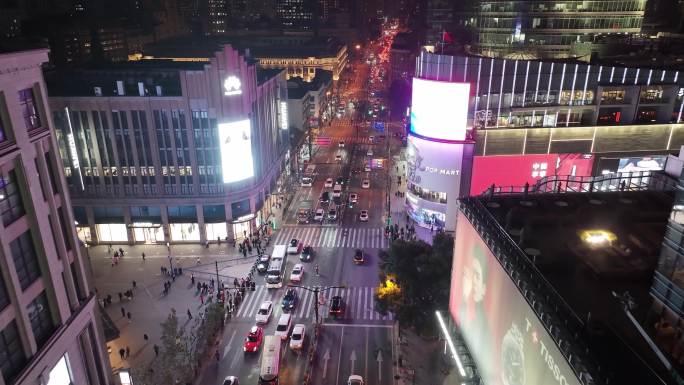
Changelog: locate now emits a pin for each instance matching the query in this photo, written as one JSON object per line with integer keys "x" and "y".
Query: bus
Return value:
{"x": 276, "y": 267}
{"x": 308, "y": 177}
{"x": 270, "y": 361}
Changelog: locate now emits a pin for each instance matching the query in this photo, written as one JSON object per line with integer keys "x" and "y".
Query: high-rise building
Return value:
{"x": 49, "y": 328}
{"x": 539, "y": 29}
{"x": 296, "y": 14}
{"x": 158, "y": 151}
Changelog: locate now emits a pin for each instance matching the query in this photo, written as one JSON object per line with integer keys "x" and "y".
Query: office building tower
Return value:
{"x": 49, "y": 328}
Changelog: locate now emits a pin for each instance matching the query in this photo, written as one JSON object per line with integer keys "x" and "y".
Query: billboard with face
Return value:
{"x": 506, "y": 339}
{"x": 439, "y": 110}
{"x": 235, "y": 139}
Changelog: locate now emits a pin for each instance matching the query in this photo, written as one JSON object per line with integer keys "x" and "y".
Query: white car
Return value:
{"x": 363, "y": 217}
{"x": 332, "y": 214}
{"x": 320, "y": 214}
{"x": 328, "y": 182}
{"x": 340, "y": 144}
{"x": 355, "y": 379}
{"x": 338, "y": 157}
{"x": 230, "y": 380}
{"x": 297, "y": 338}
{"x": 369, "y": 152}
{"x": 297, "y": 273}
{"x": 284, "y": 326}
{"x": 264, "y": 313}
{"x": 293, "y": 246}
{"x": 365, "y": 183}
{"x": 366, "y": 168}
{"x": 353, "y": 197}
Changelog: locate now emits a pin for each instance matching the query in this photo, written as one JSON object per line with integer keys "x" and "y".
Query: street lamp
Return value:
{"x": 316, "y": 290}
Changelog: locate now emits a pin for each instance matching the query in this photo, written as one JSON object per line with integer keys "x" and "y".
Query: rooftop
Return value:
{"x": 297, "y": 87}
{"x": 591, "y": 248}
{"x": 259, "y": 46}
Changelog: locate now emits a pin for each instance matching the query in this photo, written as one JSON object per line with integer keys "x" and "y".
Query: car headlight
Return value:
{"x": 255, "y": 348}
{"x": 244, "y": 349}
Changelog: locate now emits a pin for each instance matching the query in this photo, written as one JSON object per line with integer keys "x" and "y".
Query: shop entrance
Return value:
{"x": 148, "y": 233}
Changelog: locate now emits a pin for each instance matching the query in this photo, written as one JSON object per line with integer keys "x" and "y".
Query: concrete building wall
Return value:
{"x": 47, "y": 309}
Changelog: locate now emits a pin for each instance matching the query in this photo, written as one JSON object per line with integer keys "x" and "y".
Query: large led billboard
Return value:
{"x": 439, "y": 110}
{"x": 236, "y": 150}
{"x": 433, "y": 171}
{"x": 506, "y": 339}
{"x": 516, "y": 170}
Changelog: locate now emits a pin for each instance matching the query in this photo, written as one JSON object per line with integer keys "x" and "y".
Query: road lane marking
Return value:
{"x": 339, "y": 357}
{"x": 228, "y": 346}
{"x": 358, "y": 325}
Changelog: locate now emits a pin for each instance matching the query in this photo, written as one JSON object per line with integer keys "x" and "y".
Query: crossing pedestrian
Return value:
{"x": 143, "y": 256}
{"x": 128, "y": 315}
{"x": 135, "y": 284}
{"x": 128, "y": 352}
{"x": 189, "y": 314}
{"x": 146, "y": 338}
{"x": 156, "y": 350}
{"x": 120, "y": 297}
{"x": 202, "y": 298}
{"x": 316, "y": 269}
{"x": 122, "y": 353}
{"x": 192, "y": 278}
{"x": 123, "y": 312}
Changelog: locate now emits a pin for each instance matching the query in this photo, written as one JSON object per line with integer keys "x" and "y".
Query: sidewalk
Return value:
{"x": 398, "y": 204}
{"x": 149, "y": 307}
{"x": 423, "y": 361}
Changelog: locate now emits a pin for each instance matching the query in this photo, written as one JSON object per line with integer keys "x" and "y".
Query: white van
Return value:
{"x": 337, "y": 191}
{"x": 284, "y": 326}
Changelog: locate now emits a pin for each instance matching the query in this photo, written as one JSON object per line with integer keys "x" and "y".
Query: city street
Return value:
{"x": 358, "y": 341}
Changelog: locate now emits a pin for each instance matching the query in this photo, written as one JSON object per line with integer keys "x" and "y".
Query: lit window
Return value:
{"x": 60, "y": 374}
{"x": 29, "y": 109}
{"x": 11, "y": 204}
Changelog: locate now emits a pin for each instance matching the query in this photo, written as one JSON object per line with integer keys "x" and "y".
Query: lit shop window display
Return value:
{"x": 184, "y": 232}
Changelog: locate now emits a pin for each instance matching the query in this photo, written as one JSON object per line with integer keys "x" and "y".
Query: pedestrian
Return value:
{"x": 161, "y": 269}
{"x": 135, "y": 284}
{"x": 202, "y": 298}
{"x": 146, "y": 338}
{"x": 122, "y": 353}
{"x": 128, "y": 352}
{"x": 189, "y": 314}
{"x": 129, "y": 316}
{"x": 192, "y": 278}
{"x": 143, "y": 255}
{"x": 120, "y": 297}
{"x": 218, "y": 239}
{"x": 217, "y": 355}
{"x": 316, "y": 268}
{"x": 199, "y": 286}
{"x": 198, "y": 260}
{"x": 156, "y": 350}
{"x": 123, "y": 312}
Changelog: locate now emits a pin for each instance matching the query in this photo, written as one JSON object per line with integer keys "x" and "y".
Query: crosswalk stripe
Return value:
{"x": 303, "y": 297}
{"x": 308, "y": 305}
{"x": 247, "y": 301}
{"x": 358, "y": 313}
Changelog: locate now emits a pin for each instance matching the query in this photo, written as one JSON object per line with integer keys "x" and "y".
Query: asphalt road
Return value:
{"x": 359, "y": 342}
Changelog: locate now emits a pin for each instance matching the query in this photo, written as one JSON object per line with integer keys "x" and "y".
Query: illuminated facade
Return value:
{"x": 533, "y": 119}
{"x": 49, "y": 317}
{"x": 548, "y": 29}
{"x": 154, "y": 151}
{"x": 306, "y": 67}
{"x": 295, "y": 14}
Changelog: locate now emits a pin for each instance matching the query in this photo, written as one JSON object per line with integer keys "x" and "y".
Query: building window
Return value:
{"x": 3, "y": 136}
{"x": 11, "y": 204}
{"x": 25, "y": 259}
{"x": 41, "y": 320}
{"x": 12, "y": 357}
{"x": 29, "y": 109}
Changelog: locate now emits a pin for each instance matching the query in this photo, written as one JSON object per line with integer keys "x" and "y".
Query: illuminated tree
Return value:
{"x": 415, "y": 278}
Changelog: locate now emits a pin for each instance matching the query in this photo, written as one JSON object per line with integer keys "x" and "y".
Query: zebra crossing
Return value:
{"x": 334, "y": 236}
{"x": 359, "y": 303}
{"x": 350, "y": 139}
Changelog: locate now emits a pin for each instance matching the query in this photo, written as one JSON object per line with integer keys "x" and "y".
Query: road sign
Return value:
{"x": 323, "y": 141}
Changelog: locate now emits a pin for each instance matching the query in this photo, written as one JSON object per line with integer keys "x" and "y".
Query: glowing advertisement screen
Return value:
{"x": 506, "y": 339}
{"x": 516, "y": 170}
{"x": 236, "y": 150}
{"x": 439, "y": 110}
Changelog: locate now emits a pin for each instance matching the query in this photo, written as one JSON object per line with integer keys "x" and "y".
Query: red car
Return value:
{"x": 254, "y": 339}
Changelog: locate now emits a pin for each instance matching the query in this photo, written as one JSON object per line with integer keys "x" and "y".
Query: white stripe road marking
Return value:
{"x": 254, "y": 307}
{"x": 252, "y": 303}
{"x": 359, "y": 295}
{"x": 365, "y": 302}
{"x": 308, "y": 306}
{"x": 354, "y": 231}
{"x": 304, "y": 299}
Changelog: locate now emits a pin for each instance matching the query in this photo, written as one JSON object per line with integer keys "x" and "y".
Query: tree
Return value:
{"x": 174, "y": 363}
{"x": 415, "y": 279}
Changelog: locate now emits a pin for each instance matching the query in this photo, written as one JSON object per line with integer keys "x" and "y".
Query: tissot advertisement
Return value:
{"x": 434, "y": 181}
{"x": 506, "y": 339}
